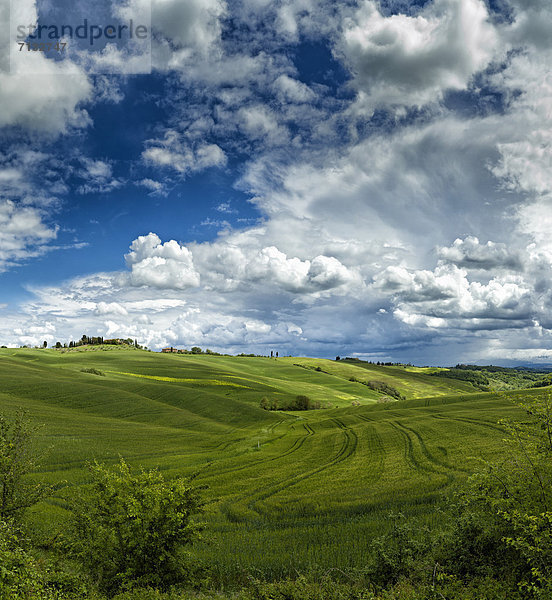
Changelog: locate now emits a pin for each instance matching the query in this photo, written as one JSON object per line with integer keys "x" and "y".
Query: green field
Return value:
{"x": 299, "y": 489}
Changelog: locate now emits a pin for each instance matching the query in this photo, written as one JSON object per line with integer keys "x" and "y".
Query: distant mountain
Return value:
{"x": 535, "y": 368}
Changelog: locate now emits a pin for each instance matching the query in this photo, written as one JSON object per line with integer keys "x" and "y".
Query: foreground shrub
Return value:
{"x": 132, "y": 529}
{"x": 18, "y": 458}
{"x": 503, "y": 527}
{"x": 302, "y": 589}
{"x": 18, "y": 573}
{"x": 399, "y": 553}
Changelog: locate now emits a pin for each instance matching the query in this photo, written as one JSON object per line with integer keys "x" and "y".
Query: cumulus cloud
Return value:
{"x": 36, "y": 93}
{"x": 187, "y": 30}
{"x": 294, "y": 275}
{"x": 387, "y": 225}
{"x": 224, "y": 265}
{"x": 530, "y": 24}
{"x": 167, "y": 265}
{"x": 471, "y": 254}
{"x": 448, "y": 298}
{"x": 411, "y": 60}
{"x": 39, "y": 103}
{"x": 424, "y": 305}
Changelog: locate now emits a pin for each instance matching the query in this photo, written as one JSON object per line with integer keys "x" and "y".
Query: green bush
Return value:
{"x": 132, "y": 529}
{"x": 18, "y": 458}
{"x": 398, "y": 553}
{"x": 93, "y": 371}
{"x": 544, "y": 382}
{"x": 384, "y": 388}
{"x": 302, "y": 403}
{"x": 299, "y": 403}
{"x": 18, "y": 572}
{"x": 302, "y": 589}
{"x": 503, "y": 525}
{"x": 269, "y": 403}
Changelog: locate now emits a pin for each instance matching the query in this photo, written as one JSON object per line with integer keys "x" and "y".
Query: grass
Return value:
{"x": 411, "y": 382}
{"x": 286, "y": 491}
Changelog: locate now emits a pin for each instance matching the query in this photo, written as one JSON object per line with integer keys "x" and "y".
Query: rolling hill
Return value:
{"x": 297, "y": 488}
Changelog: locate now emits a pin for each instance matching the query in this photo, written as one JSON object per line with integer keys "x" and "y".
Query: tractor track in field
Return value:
{"x": 366, "y": 419}
{"x": 470, "y": 421}
{"x": 224, "y": 444}
{"x": 408, "y": 447}
{"x": 375, "y": 441}
{"x": 374, "y": 450}
{"x": 347, "y": 449}
{"x": 293, "y": 448}
{"x": 410, "y": 457}
{"x": 272, "y": 427}
{"x": 429, "y": 455}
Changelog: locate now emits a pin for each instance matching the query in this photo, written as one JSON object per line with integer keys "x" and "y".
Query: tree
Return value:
{"x": 504, "y": 520}
{"x": 18, "y": 458}
{"x": 45, "y": 344}
{"x": 19, "y": 577}
{"x": 266, "y": 404}
{"x": 196, "y": 350}
{"x": 132, "y": 529}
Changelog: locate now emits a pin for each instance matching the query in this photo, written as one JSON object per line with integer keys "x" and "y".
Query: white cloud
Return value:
{"x": 40, "y": 103}
{"x": 404, "y": 60}
{"x": 291, "y": 90}
{"x": 110, "y": 308}
{"x": 259, "y": 122}
{"x": 167, "y": 265}
{"x": 98, "y": 176}
{"x": 172, "y": 152}
{"x": 223, "y": 265}
{"x": 447, "y": 298}
{"x": 471, "y": 254}
{"x": 225, "y": 207}
{"x": 156, "y": 188}
{"x": 192, "y": 27}
{"x": 294, "y": 275}
{"x": 390, "y": 230}
{"x": 23, "y": 233}
{"x": 531, "y": 24}
{"x": 37, "y": 93}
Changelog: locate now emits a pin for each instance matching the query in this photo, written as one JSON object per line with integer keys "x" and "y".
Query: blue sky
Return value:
{"x": 364, "y": 178}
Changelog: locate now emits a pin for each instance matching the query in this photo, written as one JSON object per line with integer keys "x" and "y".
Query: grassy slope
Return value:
{"x": 411, "y": 382}
{"x": 297, "y": 488}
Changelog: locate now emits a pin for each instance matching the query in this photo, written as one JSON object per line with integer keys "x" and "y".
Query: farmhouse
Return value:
{"x": 171, "y": 349}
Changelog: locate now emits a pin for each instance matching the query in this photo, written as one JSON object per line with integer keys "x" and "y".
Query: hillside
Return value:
{"x": 297, "y": 488}
{"x": 411, "y": 382}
